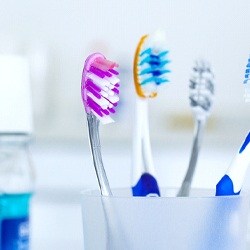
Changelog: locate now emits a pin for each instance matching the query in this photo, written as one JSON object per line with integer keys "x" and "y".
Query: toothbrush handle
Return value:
{"x": 137, "y": 143}
{"x": 93, "y": 127}
{"x": 146, "y": 145}
{"x": 231, "y": 183}
{"x": 143, "y": 180}
{"x": 186, "y": 184}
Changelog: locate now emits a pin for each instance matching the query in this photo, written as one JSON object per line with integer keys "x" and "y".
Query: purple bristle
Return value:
{"x": 93, "y": 86}
{"x": 97, "y": 82}
{"x": 105, "y": 111}
{"x": 111, "y": 110}
{"x": 93, "y": 105}
{"x": 97, "y": 72}
{"x": 116, "y": 90}
{"x": 114, "y": 72}
{"x": 96, "y": 94}
{"x": 108, "y": 74}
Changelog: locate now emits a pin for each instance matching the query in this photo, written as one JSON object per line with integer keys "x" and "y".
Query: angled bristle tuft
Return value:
{"x": 247, "y": 82}
{"x": 150, "y": 65}
{"x": 201, "y": 88}
{"x": 100, "y": 84}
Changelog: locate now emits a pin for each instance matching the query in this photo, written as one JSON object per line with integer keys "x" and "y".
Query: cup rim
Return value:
{"x": 198, "y": 193}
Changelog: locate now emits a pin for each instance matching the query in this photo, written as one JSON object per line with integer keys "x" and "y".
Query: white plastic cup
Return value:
{"x": 199, "y": 222}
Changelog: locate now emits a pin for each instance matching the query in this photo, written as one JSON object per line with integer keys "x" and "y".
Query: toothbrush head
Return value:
{"x": 150, "y": 64}
{"x": 99, "y": 87}
{"x": 247, "y": 82}
{"x": 201, "y": 89}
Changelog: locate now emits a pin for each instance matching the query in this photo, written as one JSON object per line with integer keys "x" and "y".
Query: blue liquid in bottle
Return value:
{"x": 14, "y": 212}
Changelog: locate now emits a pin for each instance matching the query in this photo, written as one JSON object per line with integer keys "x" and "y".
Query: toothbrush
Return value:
{"x": 201, "y": 94}
{"x": 100, "y": 95}
{"x": 149, "y": 71}
{"x": 231, "y": 182}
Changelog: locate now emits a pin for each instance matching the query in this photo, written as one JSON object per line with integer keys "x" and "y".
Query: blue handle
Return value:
{"x": 225, "y": 187}
{"x": 147, "y": 185}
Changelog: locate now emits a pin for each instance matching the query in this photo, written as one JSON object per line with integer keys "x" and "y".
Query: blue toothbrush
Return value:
{"x": 231, "y": 183}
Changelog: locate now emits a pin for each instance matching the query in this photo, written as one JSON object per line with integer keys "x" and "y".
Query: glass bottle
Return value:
{"x": 16, "y": 187}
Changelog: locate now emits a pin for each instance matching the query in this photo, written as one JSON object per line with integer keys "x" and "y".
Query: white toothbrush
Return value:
{"x": 201, "y": 97}
{"x": 150, "y": 69}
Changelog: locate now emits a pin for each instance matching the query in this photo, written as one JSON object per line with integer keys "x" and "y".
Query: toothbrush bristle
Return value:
{"x": 150, "y": 65}
{"x": 201, "y": 87}
{"x": 100, "y": 84}
{"x": 247, "y": 82}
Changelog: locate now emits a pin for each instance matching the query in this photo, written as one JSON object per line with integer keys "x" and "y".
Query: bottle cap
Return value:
{"x": 15, "y": 95}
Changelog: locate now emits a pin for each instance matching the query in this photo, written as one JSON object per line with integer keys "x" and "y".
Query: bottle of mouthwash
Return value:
{"x": 16, "y": 182}
{"x": 16, "y": 170}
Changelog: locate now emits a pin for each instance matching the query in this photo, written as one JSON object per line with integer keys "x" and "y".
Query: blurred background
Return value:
{"x": 57, "y": 36}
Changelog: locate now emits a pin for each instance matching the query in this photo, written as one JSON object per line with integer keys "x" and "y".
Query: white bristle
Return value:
{"x": 110, "y": 105}
{"x": 102, "y": 101}
{"x": 102, "y": 82}
{"x": 156, "y": 41}
{"x": 105, "y": 119}
{"x": 104, "y": 93}
{"x": 201, "y": 89}
{"x": 149, "y": 88}
{"x": 111, "y": 86}
{"x": 114, "y": 98}
{"x": 247, "y": 93}
{"x": 112, "y": 80}
{"x": 111, "y": 92}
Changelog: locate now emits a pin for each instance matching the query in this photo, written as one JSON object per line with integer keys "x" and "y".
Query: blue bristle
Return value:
{"x": 147, "y": 51}
{"x": 155, "y": 66}
{"x": 157, "y": 80}
{"x": 247, "y": 72}
{"x": 163, "y": 53}
{"x": 155, "y": 56}
{"x": 145, "y": 60}
{"x": 154, "y": 72}
{"x": 154, "y": 63}
{"x": 163, "y": 63}
{"x": 157, "y": 73}
{"x": 151, "y": 59}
